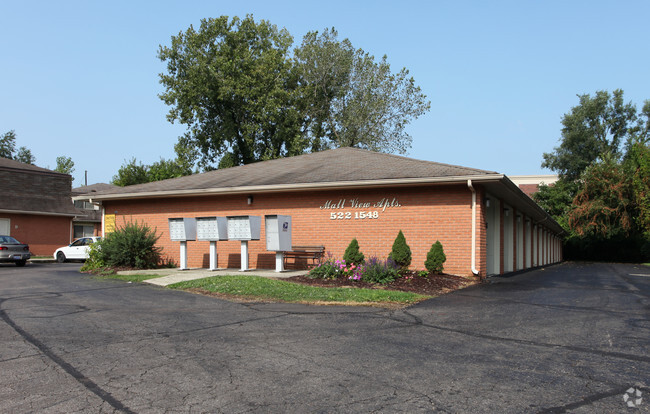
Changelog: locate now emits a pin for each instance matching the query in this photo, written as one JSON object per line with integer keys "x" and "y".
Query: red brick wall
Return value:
{"x": 44, "y": 234}
{"x": 426, "y": 214}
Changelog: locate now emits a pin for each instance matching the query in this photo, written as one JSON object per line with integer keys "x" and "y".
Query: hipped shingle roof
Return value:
{"x": 333, "y": 166}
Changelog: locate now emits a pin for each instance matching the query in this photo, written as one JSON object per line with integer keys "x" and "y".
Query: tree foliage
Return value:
{"x": 130, "y": 173}
{"x": 556, "y": 199}
{"x": 244, "y": 98}
{"x": 134, "y": 172}
{"x": 602, "y": 196}
{"x": 598, "y": 125}
{"x": 351, "y": 100}
{"x": 637, "y": 165}
{"x": 8, "y": 149}
{"x": 604, "y": 206}
{"x": 230, "y": 83}
{"x": 64, "y": 165}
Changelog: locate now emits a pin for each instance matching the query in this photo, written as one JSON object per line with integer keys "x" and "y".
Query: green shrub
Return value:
{"x": 133, "y": 245}
{"x": 95, "y": 259}
{"x": 329, "y": 268}
{"x": 401, "y": 252}
{"x": 167, "y": 262}
{"x": 377, "y": 271}
{"x": 352, "y": 254}
{"x": 325, "y": 270}
{"x": 435, "y": 258}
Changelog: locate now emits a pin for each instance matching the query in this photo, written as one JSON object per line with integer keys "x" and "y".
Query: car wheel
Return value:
{"x": 60, "y": 257}
{"x": 21, "y": 263}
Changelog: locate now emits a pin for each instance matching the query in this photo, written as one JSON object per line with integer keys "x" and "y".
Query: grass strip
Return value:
{"x": 278, "y": 290}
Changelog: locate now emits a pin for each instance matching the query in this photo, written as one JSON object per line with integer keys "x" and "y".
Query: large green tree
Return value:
{"x": 352, "y": 100}
{"x": 602, "y": 197}
{"x": 604, "y": 206}
{"x": 8, "y": 149}
{"x": 130, "y": 173}
{"x": 597, "y": 125}
{"x": 8, "y": 145}
{"x": 64, "y": 165}
{"x": 230, "y": 82}
{"x": 245, "y": 98}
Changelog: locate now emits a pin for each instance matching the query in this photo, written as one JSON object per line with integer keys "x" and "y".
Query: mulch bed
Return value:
{"x": 433, "y": 285}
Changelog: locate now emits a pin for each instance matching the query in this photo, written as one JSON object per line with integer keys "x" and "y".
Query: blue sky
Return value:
{"x": 80, "y": 78}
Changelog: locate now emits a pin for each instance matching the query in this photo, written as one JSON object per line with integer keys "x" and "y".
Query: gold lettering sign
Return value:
{"x": 109, "y": 223}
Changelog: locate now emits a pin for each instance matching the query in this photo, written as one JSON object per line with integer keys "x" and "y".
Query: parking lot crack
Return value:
{"x": 68, "y": 368}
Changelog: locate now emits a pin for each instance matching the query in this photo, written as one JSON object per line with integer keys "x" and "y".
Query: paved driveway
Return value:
{"x": 569, "y": 338}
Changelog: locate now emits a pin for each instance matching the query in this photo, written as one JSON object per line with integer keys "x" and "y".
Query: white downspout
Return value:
{"x": 469, "y": 184}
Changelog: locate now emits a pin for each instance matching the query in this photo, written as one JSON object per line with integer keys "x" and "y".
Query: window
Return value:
{"x": 84, "y": 205}
{"x": 83, "y": 230}
{"x": 78, "y": 243}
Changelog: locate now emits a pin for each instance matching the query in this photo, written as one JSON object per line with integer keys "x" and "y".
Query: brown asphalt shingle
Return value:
{"x": 31, "y": 189}
{"x": 337, "y": 165}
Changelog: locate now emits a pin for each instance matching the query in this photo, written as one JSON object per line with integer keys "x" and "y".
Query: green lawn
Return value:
{"x": 255, "y": 287}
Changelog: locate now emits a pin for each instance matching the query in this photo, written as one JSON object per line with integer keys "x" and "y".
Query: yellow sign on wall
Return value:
{"x": 109, "y": 223}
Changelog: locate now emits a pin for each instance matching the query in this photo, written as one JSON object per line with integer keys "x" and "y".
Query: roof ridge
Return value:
{"x": 403, "y": 157}
{"x": 8, "y": 163}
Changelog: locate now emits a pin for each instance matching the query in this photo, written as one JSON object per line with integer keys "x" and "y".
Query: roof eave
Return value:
{"x": 521, "y": 200}
{"x": 332, "y": 185}
{"x": 37, "y": 213}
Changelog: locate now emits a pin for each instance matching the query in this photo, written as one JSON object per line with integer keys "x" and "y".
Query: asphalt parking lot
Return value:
{"x": 569, "y": 338}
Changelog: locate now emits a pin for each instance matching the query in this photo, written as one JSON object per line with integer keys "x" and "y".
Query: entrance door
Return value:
{"x": 5, "y": 227}
{"x": 508, "y": 239}
{"x": 493, "y": 241}
{"x": 520, "y": 242}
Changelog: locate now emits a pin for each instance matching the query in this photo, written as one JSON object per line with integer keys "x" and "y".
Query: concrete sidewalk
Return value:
{"x": 174, "y": 275}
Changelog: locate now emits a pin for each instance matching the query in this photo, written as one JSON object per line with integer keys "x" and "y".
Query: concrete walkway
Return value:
{"x": 174, "y": 275}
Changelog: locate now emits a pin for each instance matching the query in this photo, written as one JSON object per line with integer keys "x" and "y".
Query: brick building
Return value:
{"x": 529, "y": 184}
{"x": 35, "y": 206}
{"x": 485, "y": 223}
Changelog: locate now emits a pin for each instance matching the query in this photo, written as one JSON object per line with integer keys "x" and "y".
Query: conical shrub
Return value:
{"x": 401, "y": 252}
{"x": 435, "y": 258}
{"x": 353, "y": 254}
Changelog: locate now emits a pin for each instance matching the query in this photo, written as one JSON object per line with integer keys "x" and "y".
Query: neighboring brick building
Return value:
{"x": 486, "y": 224}
{"x": 35, "y": 206}
{"x": 529, "y": 184}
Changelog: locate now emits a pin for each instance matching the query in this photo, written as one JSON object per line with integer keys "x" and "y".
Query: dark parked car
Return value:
{"x": 11, "y": 250}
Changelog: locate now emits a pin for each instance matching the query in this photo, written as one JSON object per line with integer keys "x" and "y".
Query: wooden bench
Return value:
{"x": 313, "y": 253}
